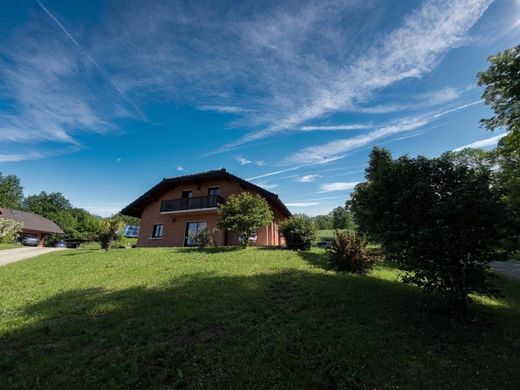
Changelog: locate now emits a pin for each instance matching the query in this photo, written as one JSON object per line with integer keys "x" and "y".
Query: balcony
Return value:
{"x": 191, "y": 204}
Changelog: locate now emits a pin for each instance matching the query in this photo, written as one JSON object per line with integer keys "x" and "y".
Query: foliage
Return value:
{"x": 342, "y": 219}
{"x": 9, "y": 230}
{"x": 205, "y": 238}
{"x": 502, "y": 90}
{"x": 438, "y": 220}
{"x": 244, "y": 214}
{"x": 128, "y": 220}
{"x": 179, "y": 318}
{"x": 122, "y": 242}
{"x": 348, "y": 252}
{"x": 109, "y": 232}
{"x": 75, "y": 222}
{"x": 323, "y": 222}
{"x": 299, "y": 232}
{"x": 11, "y": 192}
{"x": 502, "y": 94}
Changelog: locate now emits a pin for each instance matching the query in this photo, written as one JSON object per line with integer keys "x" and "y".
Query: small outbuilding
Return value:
{"x": 33, "y": 225}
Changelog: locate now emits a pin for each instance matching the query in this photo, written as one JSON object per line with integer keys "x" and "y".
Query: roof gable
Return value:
{"x": 135, "y": 208}
{"x": 31, "y": 221}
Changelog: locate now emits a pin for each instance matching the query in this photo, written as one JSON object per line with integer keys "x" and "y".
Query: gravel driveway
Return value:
{"x": 11, "y": 255}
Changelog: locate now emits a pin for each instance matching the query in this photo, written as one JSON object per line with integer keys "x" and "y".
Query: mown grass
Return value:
{"x": 256, "y": 318}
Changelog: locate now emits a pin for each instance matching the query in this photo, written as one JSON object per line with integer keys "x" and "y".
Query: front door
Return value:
{"x": 192, "y": 229}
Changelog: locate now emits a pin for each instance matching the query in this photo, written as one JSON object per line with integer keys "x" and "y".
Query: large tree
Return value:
{"x": 502, "y": 94}
{"x": 342, "y": 219}
{"x": 437, "y": 219}
{"x": 244, "y": 214}
{"x": 11, "y": 192}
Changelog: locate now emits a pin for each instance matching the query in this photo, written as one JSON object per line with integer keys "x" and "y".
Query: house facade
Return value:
{"x": 33, "y": 225}
{"x": 176, "y": 209}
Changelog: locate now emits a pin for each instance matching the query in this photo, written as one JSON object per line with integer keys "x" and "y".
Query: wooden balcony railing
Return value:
{"x": 197, "y": 202}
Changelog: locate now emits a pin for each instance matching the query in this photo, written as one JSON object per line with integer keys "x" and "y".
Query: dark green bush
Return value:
{"x": 349, "y": 253}
{"x": 299, "y": 232}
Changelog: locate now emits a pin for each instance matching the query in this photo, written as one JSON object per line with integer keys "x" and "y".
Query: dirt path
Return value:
{"x": 11, "y": 255}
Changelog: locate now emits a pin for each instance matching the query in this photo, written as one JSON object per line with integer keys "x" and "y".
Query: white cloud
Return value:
{"x": 267, "y": 186}
{"x": 179, "y": 168}
{"x": 302, "y": 204}
{"x": 243, "y": 161}
{"x": 330, "y": 187}
{"x": 16, "y": 157}
{"x": 308, "y": 178}
{"x": 409, "y": 51}
{"x": 492, "y": 141}
{"x": 335, "y": 127}
{"x": 224, "y": 109}
{"x": 260, "y": 163}
{"x": 336, "y": 149}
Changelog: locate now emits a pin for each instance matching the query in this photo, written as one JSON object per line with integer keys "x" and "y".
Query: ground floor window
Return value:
{"x": 192, "y": 229}
{"x": 157, "y": 231}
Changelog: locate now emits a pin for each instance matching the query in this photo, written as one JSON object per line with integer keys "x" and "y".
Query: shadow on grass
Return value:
{"x": 289, "y": 329}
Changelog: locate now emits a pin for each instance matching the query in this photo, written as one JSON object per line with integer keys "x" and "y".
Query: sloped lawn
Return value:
{"x": 253, "y": 318}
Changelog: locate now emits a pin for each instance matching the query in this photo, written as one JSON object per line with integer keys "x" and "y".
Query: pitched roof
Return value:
{"x": 31, "y": 221}
{"x": 135, "y": 208}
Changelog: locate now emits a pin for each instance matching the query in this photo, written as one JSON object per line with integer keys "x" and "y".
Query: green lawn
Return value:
{"x": 10, "y": 246}
{"x": 325, "y": 235}
{"x": 253, "y": 318}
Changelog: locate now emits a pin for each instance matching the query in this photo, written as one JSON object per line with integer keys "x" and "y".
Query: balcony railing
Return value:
{"x": 195, "y": 203}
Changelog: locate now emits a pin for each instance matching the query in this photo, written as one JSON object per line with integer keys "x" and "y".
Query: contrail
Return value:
{"x": 458, "y": 108}
{"x": 84, "y": 53}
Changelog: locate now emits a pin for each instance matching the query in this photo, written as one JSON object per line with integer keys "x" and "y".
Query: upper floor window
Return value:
{"x": 213, "y": 191}
{"x": 157, "y": 231}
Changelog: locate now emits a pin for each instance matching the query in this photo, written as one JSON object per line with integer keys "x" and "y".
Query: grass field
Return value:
{"x": 252, "y": 318}
{"x": 325, "y": 235}
{"x": 10, "y": 246}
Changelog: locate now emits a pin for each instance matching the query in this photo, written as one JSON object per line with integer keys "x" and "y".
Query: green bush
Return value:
{"x": 299, "y": 232}
{"x": 349, "y": 253}
{"x": 205, "y": 238}
{"x": 9, "y": 230}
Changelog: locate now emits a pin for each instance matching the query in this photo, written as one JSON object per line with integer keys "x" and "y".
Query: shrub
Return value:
{"x": 244, "y": 214}
{"x": 439, "y": 221}
{"x": 348, "y": 252}
{"x": 205, "y": 238}
{"x": 9, "y": 230}
{"x": 299, "y": 232}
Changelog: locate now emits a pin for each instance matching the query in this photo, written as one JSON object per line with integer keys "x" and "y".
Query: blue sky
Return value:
{"x": 100, "y": 100}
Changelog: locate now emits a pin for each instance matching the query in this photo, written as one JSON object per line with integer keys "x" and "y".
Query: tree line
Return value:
{"x": 76, "y": 223}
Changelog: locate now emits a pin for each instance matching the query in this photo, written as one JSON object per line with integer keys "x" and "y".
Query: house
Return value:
{"x": 176, "y": 209}
{"x": 33, "y": 225}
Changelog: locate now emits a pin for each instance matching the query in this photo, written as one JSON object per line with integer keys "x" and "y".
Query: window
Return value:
{"x": 131, "y": 231}
{"x": 157, "y": 231}
{"x": 213, "y": 191}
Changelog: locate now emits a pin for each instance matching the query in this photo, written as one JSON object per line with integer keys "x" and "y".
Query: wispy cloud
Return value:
{"x": 308, "y": 178}
{"x": 491, "y": 141}
{"x": 179, "y": 168}
{"x": 335, "y": 149}
{"x": 243, "y": 161}
{"x": 302, "y": 204}
{"x": 225, "y": 109}
{"x": 330, "y": 187}
{"x": 410, "y": 51}
{"x": 267, "y": 186}
{"x": 335, "y": 127}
